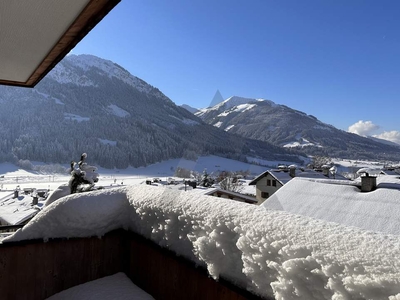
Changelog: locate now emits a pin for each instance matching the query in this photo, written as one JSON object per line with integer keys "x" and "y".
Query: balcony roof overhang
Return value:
{"x": 36, "y": 35}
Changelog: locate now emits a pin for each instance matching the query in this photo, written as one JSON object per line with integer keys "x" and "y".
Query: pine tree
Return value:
{"x": 206, "y": 180}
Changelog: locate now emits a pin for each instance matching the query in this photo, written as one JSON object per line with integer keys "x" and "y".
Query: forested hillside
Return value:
{"x": 87, "y": 104}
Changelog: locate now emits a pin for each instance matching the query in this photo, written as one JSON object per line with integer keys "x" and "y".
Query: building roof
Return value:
{"x": 36, "y": 35}
{"x": 389, "y": 172}
{"x": 279, "y": 175}
{"x": 283, "y": 176}
{"x": 15, "y": 211}
{"x": 233, "y": 194}
{"x": 342, "y": 202}
{"x": 209, "y": 191}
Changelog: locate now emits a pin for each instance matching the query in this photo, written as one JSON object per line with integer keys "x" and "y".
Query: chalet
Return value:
{"x": 269, "y": 182}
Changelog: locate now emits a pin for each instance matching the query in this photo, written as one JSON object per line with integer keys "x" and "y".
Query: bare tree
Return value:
{"x": 230, "y": 182}
{"x": 319, "y": 161}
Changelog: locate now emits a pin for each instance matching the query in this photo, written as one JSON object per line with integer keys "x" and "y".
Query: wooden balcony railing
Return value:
{"x": 37, "y": 269}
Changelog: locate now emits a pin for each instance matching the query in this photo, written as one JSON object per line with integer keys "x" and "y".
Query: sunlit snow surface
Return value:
{"x": 342, "y": 202}
{"x": 269, "y": 252}
{"x": 117, "y": 286}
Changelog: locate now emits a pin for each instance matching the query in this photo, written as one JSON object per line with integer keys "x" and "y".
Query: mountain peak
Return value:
{"x": 241, "y": 103}
{"x": 88, "y": 60}
{"x": 236, "y": 100}
{"x": 76, "y": 69}
{"x": 216, "y": 99}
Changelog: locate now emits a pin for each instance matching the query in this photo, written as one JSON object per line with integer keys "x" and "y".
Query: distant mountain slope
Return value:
{"x": 278, "y": 124}
{"x": 88, "y": 104}
{"x": 189, "y": 108}
{"x": 383, "y": 141}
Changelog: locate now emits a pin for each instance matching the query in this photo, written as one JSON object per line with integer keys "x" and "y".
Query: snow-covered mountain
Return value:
{"x": 88, "y": 104}
{"x": 283, "y": 126}
{"x": 226, "y": 105}
{"x": 74, "y": 70}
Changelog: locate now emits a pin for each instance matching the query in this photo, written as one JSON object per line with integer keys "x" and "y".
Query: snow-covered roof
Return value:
{"x": 233, "y": 194}
{"x": 14, "y": 211}
{"x": 383, "y": 181}
{"x": 389, "y": 172}
{"x": 283, "y": 176}
{"x": 378, "y": 210}
{"x": 273, "y": 253}
{"x": 279, "y": 175}
{"x": 200, "y": 190}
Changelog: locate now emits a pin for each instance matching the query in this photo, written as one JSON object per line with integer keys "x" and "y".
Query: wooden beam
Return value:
{"x": 91, "y": 15}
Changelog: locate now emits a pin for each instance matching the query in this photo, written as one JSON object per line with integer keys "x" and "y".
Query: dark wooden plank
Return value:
{"x": 37, "y": 270}
{"x": 166, "y": 276}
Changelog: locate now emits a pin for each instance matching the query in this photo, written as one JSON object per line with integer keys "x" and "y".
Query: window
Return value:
{"x": 273, "y": 182}
{"x": 269, "y": 182}
{"x": 264, "y": 195}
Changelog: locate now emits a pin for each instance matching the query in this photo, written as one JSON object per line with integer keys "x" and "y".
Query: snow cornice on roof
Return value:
{"x": 29, "y": 49}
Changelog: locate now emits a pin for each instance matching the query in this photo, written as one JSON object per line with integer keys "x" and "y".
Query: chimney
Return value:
{"x": 368, "y": 183}
{"x": 292, "y": 171}
{"x": 35, "y": 198}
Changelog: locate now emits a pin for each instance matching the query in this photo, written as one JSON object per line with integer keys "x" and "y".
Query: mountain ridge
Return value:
{"x": 283, "y": 126}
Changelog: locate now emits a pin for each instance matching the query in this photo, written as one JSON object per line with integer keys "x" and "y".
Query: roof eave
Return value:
{"x": 90, "y": 16}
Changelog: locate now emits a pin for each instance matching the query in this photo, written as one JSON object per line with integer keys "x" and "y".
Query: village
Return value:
{"x": 320, "y": 193}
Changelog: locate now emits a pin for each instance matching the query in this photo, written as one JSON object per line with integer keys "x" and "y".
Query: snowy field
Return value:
{"x": 14, "y": 176}
{"x": 16, "y": 211}
{"x": 11, "y": 176}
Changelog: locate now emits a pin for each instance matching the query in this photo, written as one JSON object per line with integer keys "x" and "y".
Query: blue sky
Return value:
{"x": 337, "y": 60}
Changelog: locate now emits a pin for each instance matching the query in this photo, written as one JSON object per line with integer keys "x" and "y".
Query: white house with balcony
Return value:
{"x": 269, "y": 182}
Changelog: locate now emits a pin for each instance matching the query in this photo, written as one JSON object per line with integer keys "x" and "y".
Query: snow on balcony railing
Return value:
{"x": 271, "y": 253}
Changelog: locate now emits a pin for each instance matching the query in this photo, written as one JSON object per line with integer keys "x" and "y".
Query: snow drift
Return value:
{"x": 272, "y": 253}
